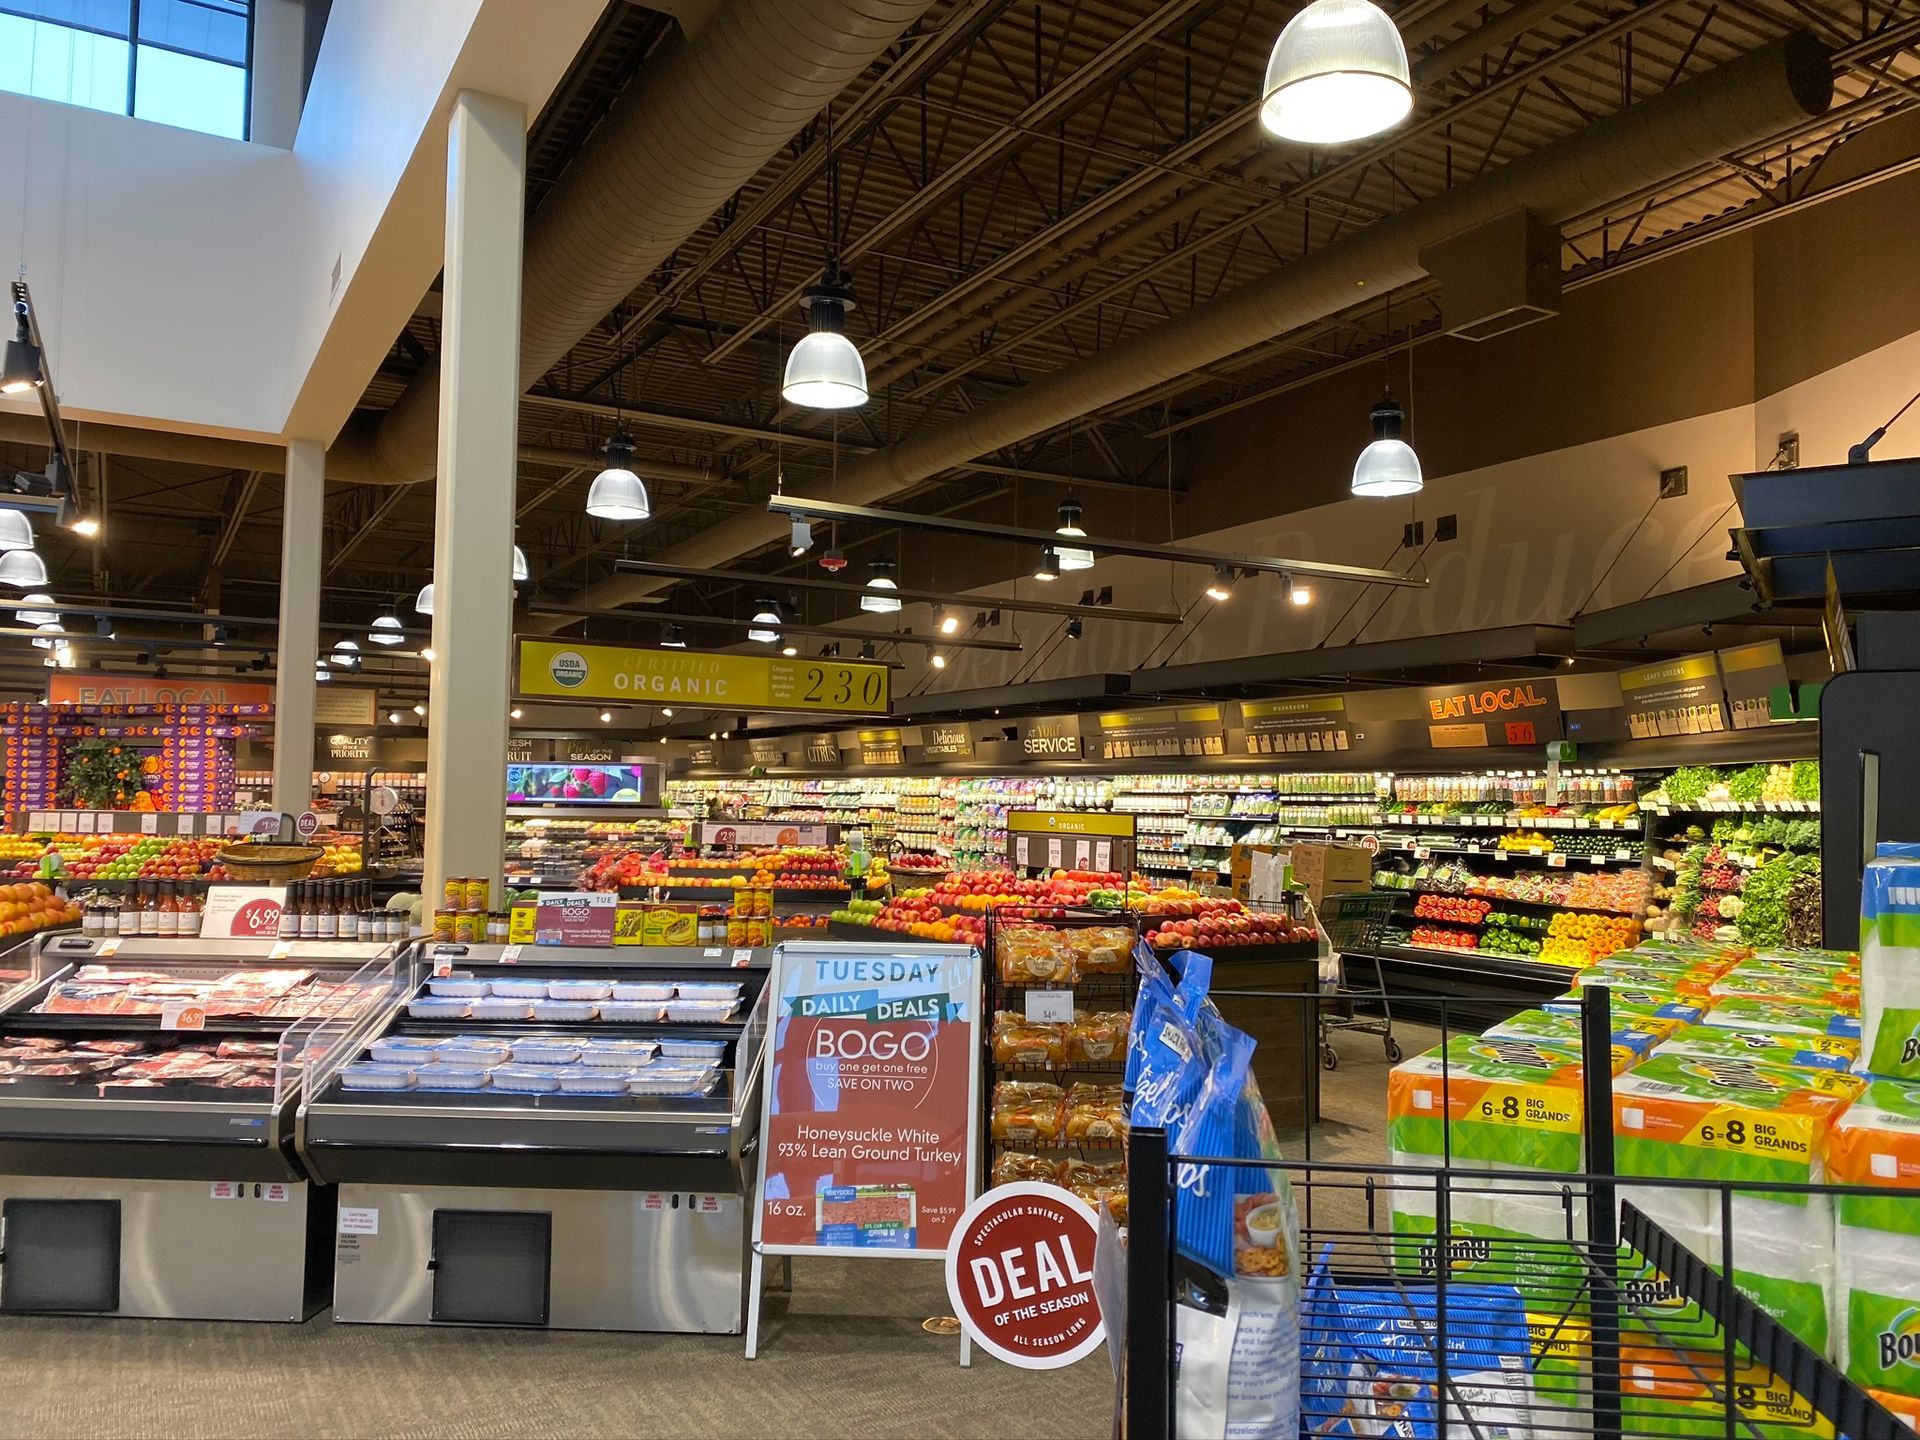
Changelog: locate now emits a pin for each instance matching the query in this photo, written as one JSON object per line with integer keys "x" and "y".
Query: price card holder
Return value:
{"x": 1049, "y": 1007}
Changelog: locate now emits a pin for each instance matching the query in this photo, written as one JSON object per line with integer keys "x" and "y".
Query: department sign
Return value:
{"x": 636, "y": 675}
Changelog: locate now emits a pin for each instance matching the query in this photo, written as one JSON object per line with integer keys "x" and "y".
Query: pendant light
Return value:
{"x": 1338, "y": 72}
{"x": 673, "y": 638}
{"x": 1049, "y": 568}
{"x": 824, "y": 368}
{"x": 617, "y": 493}
{"x": 1072, "y": 557}
{"x": 16, "y": 530}
{"x": 22, "y": 569}
{"x": 1388, "y": 466}
{"x": 879, "y": 599}
{"x": 423, "y": 602}
{"x": 49, "y": 616}
{"x": 521, "y": 574}
{"x": 386, "y": 629}
{"x": 765, "y": 618}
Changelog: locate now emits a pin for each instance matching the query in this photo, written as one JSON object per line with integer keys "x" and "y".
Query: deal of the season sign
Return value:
{"x": 637, "y": 675}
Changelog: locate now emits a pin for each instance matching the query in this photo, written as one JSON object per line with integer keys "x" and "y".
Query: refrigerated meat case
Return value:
{"x": 566, "y": 1210}
{"x": 137, "y": 1180}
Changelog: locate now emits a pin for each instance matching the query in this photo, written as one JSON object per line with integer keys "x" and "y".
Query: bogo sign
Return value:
{"x": 1020, "y": 1275}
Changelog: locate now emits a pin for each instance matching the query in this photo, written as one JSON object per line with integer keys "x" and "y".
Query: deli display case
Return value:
{"x": 147, "y": 1091}
{"x": 552, "y": 1136}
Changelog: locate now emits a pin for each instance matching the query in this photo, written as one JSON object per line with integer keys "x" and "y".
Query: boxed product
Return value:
{"x": 1877, "y": 1238}
{"x": 1890, "y": 967}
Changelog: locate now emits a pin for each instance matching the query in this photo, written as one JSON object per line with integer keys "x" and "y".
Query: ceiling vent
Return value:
{"x": 1497, "y": 276}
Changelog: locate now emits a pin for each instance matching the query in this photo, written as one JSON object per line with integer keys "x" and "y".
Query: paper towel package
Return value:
{"x": 1631, "y": 1042}
{"x": 1890, "y": 968}
{"x": 1877, "y": 1237}
{"x": 1769, "y": 1047}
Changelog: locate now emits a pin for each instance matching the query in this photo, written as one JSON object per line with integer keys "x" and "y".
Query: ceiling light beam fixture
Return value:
{"x": 1337, "y": 73}
{"x": 1140, "y": 549}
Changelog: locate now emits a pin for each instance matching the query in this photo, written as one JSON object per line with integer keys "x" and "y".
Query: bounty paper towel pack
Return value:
{"x": 1877, "y": 1238}
{"x": 1890, "y": 967}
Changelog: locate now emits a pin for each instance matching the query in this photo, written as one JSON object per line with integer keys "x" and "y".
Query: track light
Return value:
{"x": 879, "y": 600}
{"x": 1075, "y": 629}
{"x": 1338, "y": 72}
{"x": 48, "y": 616}
{"x": 20, "y": 372}
{"x": 1049, "y": 567}
{"x": 673, "y": 638}
{"x": 765, "y": 618}
{"x": 947, "y": 622}
{"x": 1298, "y": 592}
{"x": 1221, "y": 586}
{"x": 22, "y": 569}
{"x": 16, "y": 530}
{"x": 617, "y": 493}
{"x": 937, "y": 660}
{"x": 824, "y": 368}
{"x": 801, "y": 538}
{"x": 386, "y": 629}
{"x": 1072, "y": 557}
{"x": 1388, "y": 466}
{"x": 423, "y": 602}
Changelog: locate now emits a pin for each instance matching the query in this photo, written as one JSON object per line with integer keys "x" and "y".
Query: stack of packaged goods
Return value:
{"x": 33, "y": 759}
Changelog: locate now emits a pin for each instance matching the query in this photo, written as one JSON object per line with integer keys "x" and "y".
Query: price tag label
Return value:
{"x": 1556, "y": 861}
{"x": 510, "y": 955}
{"x": 1049, "y": 1007}
{"x": 183, "y": 1015}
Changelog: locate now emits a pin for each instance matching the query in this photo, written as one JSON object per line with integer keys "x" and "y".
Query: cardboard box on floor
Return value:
{"x": 1318, "y": 868}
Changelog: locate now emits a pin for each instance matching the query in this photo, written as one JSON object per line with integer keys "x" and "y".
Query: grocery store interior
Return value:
{"x": 667, "y": 665}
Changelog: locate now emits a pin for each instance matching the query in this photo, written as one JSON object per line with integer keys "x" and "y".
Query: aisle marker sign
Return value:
{"x": 872, "y": 1103}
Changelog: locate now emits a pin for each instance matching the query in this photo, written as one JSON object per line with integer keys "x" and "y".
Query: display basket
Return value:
{"x": 270, "y": 864}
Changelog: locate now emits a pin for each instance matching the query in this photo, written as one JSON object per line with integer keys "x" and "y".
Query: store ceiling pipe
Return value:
{"x": 695, "y": 128}
{"x": 1725, "y": 111}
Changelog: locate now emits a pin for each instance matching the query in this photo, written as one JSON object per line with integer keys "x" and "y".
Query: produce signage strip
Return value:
{"x": 867, "y": 1140}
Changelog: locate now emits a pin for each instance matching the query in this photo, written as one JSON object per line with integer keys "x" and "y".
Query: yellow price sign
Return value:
{"x": 638, "y": 675}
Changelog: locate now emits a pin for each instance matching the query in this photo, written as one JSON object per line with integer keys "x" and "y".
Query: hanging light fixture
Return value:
{"x": 1388, "y": 466}
{"x": 879, "y": 599}
{"x": 49, "y": 616}
{"x": 766, "y": 619}
{"x": 673, "y": 638}
{"x": 1338, "y": 72}
{"x": 423, "y": 602}
{"x": 20, "y": 372}
{"x": 1220, "y": 588}
{"x": 802, "y": 536}
{"x": 22, "y": 569}
{"x": 1072, "y": 557}
{"x": 617, "y": 493}
{"x": 521, "y": 574}
{"x": 1049, "y": 567}
{"x": 16, "y": 530}
{"x": 386, "y": 629}
{"x": 346, "y": 654}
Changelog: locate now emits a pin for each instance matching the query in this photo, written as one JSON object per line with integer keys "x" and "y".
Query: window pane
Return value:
{"x": 192, "y": 93}
{"x": 56, "y": 63}
{"x": 215, "y": 29}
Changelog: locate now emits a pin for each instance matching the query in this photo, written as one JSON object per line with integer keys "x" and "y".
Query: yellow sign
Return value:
{"x": 1062, "y": 822}
{"x": 631, "y": 675}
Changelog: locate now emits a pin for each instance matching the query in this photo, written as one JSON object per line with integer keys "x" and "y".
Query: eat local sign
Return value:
{"x": 1020, "y": 1275}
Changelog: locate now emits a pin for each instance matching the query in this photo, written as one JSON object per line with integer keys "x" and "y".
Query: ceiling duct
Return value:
{"x": 1498, "y": 276}
{"x": 1725, "y": 111}
{"x": 693, "y": 130}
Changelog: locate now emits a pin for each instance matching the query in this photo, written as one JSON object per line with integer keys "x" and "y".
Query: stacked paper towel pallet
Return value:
{"x": 1729, "y": 1065}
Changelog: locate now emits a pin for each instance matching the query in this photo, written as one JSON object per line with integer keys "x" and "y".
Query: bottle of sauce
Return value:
{"x": 326, "y": 920}
{"x": 166, "y": 912}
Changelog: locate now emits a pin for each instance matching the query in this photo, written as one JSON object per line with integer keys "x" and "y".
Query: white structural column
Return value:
{"x": 474, "y": 495}
{"x": 299, "y": 644}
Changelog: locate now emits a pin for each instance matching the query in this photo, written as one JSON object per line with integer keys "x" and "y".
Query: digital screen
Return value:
{"x": 574, "y": 785}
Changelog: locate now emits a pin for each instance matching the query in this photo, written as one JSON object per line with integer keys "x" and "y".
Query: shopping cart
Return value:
{"x": 1354, "y": 924}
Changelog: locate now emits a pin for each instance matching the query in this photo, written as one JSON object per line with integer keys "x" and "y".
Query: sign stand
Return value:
{"x": 882, "y": 1042}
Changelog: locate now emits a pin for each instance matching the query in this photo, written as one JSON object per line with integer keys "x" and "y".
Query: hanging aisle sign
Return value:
{"x": 637, "y": 675}
{"x": 871, "y": 1103}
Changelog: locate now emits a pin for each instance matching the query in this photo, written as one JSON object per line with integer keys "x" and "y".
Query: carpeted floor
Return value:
{"x": 846, "y": 1357}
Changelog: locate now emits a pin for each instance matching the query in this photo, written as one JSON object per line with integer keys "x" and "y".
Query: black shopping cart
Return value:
{"x": 1355, "y": 924}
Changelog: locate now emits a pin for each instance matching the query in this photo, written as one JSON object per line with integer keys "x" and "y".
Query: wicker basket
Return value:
{"x": 270, "y": 864}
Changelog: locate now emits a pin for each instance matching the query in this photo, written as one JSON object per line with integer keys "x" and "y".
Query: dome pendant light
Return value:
{"x": 1338, "y": 72}
{"x": 1072, "y": 557}
{"x": 824, "y": 368}
{"x": 22, "y": 569}
{"x": 617, "y": 493}
{"x": 878, "y": 600}
{"x": 1388, "y": 466}
{"x": 16, "y": 530}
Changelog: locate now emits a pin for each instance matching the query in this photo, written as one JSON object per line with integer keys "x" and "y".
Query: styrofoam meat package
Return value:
{"x": 1876, "y": 1142}
{"x": 1890, "y": 967}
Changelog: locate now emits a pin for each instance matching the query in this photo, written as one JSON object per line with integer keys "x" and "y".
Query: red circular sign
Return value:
{"x": 1020, "y": 1275}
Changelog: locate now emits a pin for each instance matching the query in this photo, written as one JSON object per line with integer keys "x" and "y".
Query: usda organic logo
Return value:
{"x": 568, "y": 668}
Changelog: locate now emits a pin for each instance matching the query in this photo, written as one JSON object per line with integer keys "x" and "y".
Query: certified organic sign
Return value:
{"x": 636, "y": 675}
{"x": 1020, "y": 1275}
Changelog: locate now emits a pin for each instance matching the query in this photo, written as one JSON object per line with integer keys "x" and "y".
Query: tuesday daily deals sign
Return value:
{"x": 872, "y": 1099}
{"x": 637, "y": 675}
